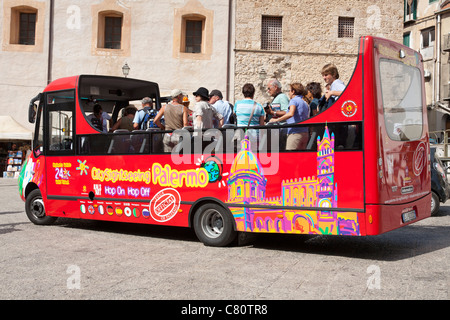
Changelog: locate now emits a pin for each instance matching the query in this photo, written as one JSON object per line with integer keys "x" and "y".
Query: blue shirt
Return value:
{"x": 139, "y": 116}
{"x": 243, "y": 110}
{"x": 301, "y": 113}
{"x": 223, "y": 107}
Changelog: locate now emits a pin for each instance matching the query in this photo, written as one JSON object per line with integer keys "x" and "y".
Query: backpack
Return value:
{"x": 147, "y": 120}
{"x": 232, "y": 119}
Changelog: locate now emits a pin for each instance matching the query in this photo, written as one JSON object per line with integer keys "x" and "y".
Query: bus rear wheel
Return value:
{"x": 434, "y": 203}
{"x": 214, "y": 226}
{"x": 34, "y": 207}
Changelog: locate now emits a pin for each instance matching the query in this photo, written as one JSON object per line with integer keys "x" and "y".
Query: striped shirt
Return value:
{"x": 243, "y": 110}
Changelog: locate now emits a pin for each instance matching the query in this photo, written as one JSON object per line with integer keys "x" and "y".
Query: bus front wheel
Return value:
{"x": 34, "y": 207}
{"x": 213, "y": 225}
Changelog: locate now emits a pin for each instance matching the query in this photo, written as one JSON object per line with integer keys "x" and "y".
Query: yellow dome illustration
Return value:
{"x": 246, "y": 161}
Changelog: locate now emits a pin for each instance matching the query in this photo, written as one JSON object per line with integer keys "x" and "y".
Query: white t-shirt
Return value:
{"x": 207, "y": 112}
{"x": 337, "y": 85}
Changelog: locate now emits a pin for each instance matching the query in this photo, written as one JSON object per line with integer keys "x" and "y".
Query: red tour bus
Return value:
{"x": 364, "y": 171}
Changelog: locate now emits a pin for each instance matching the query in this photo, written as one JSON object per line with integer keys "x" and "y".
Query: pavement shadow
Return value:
{"x": 10, "y": 227}
{"x": 403, "y": 243}
{"x": 132, "y": 229}
{"x": 10, "y": 212}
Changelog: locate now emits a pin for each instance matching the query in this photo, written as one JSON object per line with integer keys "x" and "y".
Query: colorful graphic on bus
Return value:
{"x": 247, "y": 186}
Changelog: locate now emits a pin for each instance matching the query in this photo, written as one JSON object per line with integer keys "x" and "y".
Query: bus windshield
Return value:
{"x": 401, "y": 89}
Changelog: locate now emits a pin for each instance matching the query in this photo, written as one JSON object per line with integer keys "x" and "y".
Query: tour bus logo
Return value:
{"x": 165, "y": 204}
{"x": 419, "y": 159}
{"x": 349, "y": 108}
{"x": 82, "y": 167}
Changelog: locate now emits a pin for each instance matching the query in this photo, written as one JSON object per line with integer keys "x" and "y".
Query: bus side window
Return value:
{"x": 39, "y": 134}
{"x": 60, "y": 130}
{"x": 59, "y": 121}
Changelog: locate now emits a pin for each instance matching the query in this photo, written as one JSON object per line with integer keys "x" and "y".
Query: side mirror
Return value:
{"x": 32, "y": 109}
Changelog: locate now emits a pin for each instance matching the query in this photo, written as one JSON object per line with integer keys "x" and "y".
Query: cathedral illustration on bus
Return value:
{"x": 247, "y": 185}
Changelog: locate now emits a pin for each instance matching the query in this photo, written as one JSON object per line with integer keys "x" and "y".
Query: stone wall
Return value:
{"x": 309, "y": 39}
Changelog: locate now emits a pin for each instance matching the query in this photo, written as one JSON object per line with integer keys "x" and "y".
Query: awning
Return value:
{"x": 10, "y": 129}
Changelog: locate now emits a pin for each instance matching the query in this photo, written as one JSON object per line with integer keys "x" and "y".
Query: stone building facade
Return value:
{"x": 240, "y": 41}
{"x": 310, "y": 34}
{"x": 69, "y": 39}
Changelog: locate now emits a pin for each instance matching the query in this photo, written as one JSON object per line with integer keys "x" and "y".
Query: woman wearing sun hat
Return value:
{"x": 204, "y": 113}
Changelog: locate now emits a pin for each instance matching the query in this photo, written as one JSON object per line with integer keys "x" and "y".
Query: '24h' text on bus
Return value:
{"x": 364, "y": 171}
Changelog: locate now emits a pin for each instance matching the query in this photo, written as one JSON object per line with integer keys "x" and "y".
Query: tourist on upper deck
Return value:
{"x": 280, "y": 103}
{"x": 175, "y": 113}
{"x": 99, "y": 119}
{"x": 204, "y": 113}
{"x": 298, "y": 112}
{"x": 175, "y": 117}
{"x": 221, "y": 106}
{"x": 244, "y": 108}
{"x": 139, "y": 117}
{"x": 313, "y": 93}
{"x": 330, "y": 75}
{"x": 126, "y": 122}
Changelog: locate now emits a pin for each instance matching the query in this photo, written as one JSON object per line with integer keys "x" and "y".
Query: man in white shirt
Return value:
{"x": 330, "y": 75}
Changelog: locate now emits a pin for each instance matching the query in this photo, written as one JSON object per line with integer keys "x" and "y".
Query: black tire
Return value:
{"x": 34, "y": 207}
{"x": 435, "y": 203}
{"x": 214, "y": 226}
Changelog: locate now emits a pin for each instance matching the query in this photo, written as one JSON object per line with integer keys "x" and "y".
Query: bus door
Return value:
{"x": 403, "y": 160}
{"x": 59, "y": 139}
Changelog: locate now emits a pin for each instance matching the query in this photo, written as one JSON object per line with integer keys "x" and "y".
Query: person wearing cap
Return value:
{"x": 175, "y": 117}
{"x": 221, "y": 106}
{"x": 147, "y": 104}
{"x": 175, "y": 113}
{"x": 204, "y": 113}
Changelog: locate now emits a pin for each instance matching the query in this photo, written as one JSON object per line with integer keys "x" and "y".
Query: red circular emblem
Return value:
{"x": 349, "y": 108}
{"x": 419, "y": 159}
{"x": 165, "y": 204}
